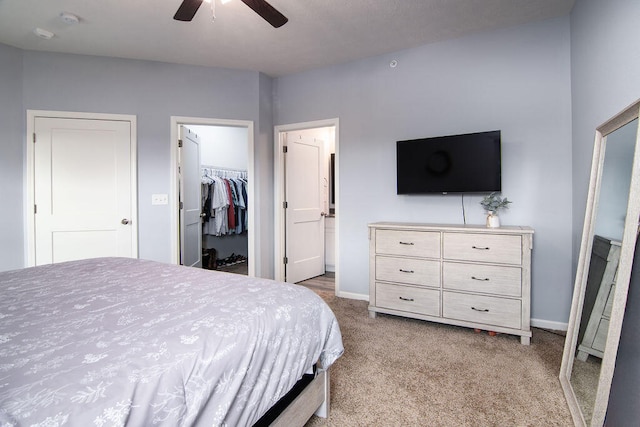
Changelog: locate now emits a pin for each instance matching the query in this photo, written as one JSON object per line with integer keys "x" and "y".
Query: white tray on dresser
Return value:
{"x": 465, "y": 275}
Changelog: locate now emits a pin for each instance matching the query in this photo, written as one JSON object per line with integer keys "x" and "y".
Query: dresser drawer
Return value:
{"x": 409, "y": 299}
{"x": 482, "y": 309}
{"x": 498, "y": 248}
{"x": 408, "y": 270}
{"x": 489, "y": 279}
{"x": 423, "y": 244}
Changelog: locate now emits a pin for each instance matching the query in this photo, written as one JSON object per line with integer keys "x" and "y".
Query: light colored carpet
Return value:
{"x": 404, "y": 372}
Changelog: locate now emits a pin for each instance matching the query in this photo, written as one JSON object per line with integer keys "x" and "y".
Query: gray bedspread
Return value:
{"x": 118, "y": 341}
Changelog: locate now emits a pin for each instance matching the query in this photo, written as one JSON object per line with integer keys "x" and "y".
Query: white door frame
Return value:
{"x": 191, "y": 215}
{"x": 279, "y": 194}
{"x": 30, "y": 229}
{"x": 176, "y": 121}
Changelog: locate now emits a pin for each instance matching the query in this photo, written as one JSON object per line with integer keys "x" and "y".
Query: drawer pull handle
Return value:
{"x": 486, "y": 279}
{"x": 484, "y": 310}
{"x": 406, "y": 299}
{"x": 480, "y": 248}
{"x": 406, "y": 271}
{"x": 406, "y": 243}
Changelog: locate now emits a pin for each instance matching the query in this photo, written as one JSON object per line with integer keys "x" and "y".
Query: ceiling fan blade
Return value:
{"x": 268, "y": 12}
{"x": 187, "y": 10}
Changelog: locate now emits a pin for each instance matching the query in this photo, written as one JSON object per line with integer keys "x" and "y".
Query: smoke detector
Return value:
{"x": 69, "y": 18}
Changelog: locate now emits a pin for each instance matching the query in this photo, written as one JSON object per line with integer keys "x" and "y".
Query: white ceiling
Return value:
{"x": 319, "y": 32}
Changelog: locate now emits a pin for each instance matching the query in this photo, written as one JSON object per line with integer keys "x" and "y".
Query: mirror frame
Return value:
{"x": 624, "y": 272}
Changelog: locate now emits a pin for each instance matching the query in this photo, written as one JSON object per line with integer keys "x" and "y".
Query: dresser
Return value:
{"x": 465, "y": 275}
{"x": 598, "y": 298}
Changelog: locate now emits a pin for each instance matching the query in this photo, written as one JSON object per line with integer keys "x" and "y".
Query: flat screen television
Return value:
{"x": 469, "y": 163}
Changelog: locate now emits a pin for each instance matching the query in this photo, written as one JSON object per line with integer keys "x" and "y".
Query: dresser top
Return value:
{"x": 506, "y": 229}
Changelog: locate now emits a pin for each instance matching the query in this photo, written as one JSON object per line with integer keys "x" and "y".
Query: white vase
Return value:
{"x": 493, "y": 220}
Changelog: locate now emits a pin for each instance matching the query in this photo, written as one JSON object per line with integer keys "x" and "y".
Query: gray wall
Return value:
{"x": 545, "y": 94}
{"x": 152, "y": 91}
{"x": 263, "y": 158}
{"x": 605, "y": 66}
{"x": 604, "y": 80}
{"x": 516, "y": 80}
{"x": 11, "y": 159}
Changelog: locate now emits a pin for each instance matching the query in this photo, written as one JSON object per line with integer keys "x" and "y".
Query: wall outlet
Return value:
{"x": 159, "y": 199}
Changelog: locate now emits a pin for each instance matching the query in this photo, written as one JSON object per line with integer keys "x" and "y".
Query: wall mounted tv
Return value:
{"x": 468, "y": 163}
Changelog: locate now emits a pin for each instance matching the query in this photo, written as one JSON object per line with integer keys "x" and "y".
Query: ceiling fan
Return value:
{"x": 188, "y": 9}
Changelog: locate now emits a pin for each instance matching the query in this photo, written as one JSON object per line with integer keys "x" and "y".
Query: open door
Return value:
{"x": 190, "y": 199}
{"x": 305, "y": 178}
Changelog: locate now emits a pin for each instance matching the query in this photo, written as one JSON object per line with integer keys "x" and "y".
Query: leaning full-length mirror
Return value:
{"x": 604, "y": 268}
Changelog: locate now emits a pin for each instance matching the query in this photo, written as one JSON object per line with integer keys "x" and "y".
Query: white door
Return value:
{"x": 83, "y": 184}
{"x": 190, "y": 199}
{"x": 304, "y": 188}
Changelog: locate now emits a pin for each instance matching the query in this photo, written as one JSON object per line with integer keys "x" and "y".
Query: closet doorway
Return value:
{"x": 293, "y": 167}
{"x": 223, "y": 238}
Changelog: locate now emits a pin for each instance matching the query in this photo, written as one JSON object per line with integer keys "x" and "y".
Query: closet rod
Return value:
{"x": 223, "y": 169}
{"x": 224, "y": 172}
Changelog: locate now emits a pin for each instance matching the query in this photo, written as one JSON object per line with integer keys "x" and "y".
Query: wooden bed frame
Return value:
{"x": 313, "y": 399}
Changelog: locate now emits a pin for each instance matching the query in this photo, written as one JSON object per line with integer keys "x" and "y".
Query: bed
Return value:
{"x": 119, "y": 341}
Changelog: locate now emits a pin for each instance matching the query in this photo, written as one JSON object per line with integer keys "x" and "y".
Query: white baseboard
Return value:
{"x": 548, "y": 324}
{"x": 351, "y": 295}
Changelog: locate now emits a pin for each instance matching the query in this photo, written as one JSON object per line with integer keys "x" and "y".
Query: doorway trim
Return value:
{"x": 29, "y": 182}
{"x": 176, "y": 121}
{"x": 279, "y": 194}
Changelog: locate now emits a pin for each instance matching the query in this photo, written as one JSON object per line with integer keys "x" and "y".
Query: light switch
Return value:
{"x": 159, "y": 199}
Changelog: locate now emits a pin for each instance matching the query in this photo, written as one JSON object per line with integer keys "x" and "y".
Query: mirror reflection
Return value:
{"x": 601, "y": 279}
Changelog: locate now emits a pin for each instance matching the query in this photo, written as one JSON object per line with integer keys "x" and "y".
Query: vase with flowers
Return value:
{"x": 492, "y": 204}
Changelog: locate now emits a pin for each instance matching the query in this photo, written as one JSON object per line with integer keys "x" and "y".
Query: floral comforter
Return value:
{"x": 118, "y": 341}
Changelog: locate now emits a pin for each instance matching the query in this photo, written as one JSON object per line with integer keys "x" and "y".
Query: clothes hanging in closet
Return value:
{"x": 224, "y": 205}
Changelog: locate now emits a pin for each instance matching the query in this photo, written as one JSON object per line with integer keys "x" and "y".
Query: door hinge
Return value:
{"x": 35, "y": 209}
{"x": 181, "y": 205}
{"x": 284, "y": 149}
{"x": 285, "y": 260}
{"x": 34, "y": 137}
{"x": 285, "y": 205}
{"x": 179, "y": 143}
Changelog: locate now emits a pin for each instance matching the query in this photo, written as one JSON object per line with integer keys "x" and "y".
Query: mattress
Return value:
{"x": 119, "y": 341}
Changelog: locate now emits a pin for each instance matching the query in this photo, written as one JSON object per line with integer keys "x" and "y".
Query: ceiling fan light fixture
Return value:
{"x": 188, "y": 9}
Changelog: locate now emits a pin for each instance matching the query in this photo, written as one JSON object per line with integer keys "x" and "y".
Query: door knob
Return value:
{"x": 125, "y": 221}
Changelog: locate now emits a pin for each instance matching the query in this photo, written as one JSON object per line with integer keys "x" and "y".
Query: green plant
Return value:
{"x": 493, "y": 202}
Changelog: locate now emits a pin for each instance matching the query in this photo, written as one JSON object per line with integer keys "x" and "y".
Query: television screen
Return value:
{"x": 468, "y": 163}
